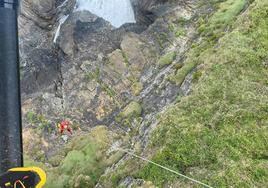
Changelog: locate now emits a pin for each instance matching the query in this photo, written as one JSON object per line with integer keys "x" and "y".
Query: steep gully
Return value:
{"x": 157, "y": 100}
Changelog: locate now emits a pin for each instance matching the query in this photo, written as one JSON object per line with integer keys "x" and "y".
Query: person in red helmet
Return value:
{"x": 65, "y": 125}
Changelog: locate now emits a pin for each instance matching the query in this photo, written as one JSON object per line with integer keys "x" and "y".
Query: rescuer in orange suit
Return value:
{"x": 65, "y": 125}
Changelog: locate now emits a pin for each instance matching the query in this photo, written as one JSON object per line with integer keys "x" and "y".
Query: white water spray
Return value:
{"x": 61, "y": 21}
{"x": 117, "y": 12}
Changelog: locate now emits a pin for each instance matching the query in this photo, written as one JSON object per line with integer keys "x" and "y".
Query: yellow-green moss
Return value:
{"x": 133, "y": 109}
{"x": 219, "y": 133}
{"x": 180, "y": 32}
{"x": 179, "y": 77}
{"x": 227, "y": 12}
{"x": 81, "y": 162}
{"x": 136, "y": 88}
{"x": 166, "y": 59}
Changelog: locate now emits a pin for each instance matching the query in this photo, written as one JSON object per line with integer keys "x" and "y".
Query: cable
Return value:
{"x": 18, "y": 181}
{"x": 163, "y": 167}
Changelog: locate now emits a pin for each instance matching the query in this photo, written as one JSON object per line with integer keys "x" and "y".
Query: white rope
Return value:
{"x": 163, "y": 167}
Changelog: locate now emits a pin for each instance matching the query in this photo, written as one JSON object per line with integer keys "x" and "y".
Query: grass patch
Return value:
{"x": 40, "y": 122}
{"x": 108, "y": 90}
{"x": 177, "y": 27}
{"x": 219, "y": 133}
{"x": 132, "y": 110}
{"x": 126, "y": 61}
{"x": 136, "y": 88}
{"x": 180, "y": 32}
{"x": 211, "y": 31}
{"x": 197, "y": 75}
{"x": 162, "y": 39}
{"x": 93, "y": 75}
{"x": 179, "y": 77}
{"x": 167, "y": 59}
{"x": 227, "y": 12}
{"x": 105, "y": 87}
{"x": 113, "y": 179}
{"x": 81, "y": 162}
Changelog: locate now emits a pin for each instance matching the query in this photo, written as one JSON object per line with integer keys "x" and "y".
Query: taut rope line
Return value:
{"x": 163, "y": 167}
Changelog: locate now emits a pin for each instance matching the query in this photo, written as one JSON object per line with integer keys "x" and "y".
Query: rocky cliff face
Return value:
{"x": 92, "y": 70}
{"x": 94, "y": 74}
{"x": 109, "y": 82}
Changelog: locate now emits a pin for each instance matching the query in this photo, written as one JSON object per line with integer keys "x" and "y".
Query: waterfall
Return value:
{"x": 61, "y": 21}
{"x": 117, "y": 12}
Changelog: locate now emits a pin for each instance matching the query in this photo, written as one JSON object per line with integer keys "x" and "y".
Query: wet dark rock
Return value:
{"x": 38, "y": 59}
{"x": 40, "y": 73}
{"x": 144, "y": 10}
{"x": 95, "y": 37}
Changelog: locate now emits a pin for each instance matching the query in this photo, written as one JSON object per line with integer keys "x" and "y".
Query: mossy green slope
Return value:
{"x": 210, "y": 31}
{"x": 219, "y": 133}
{"x": 81, "y": 162}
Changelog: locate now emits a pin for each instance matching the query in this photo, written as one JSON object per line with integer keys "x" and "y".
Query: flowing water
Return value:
{"x": 61, "y": 21}
{"x": 117, "y": 12}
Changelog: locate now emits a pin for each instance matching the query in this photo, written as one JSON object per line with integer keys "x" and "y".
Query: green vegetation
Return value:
{"x": 162, "y": 39}
{"x": 177, "y": 27}
{"x": 172, "y": 27}
{"x": 105, "y": 87}
{"x": 40, "y": 122}
{"x": 166, "y": 59}
{"x": 227, "y": 12}
{"x": 132, "y": 110}
{"x": 180, "y": 32}
{"x": 90, "y": 76}
{"x": 136, "y": 88}
{"x": 31, "y": 117}
{"x": 82, "y": 161}
{"x": 197, "y": 75}
{"x": 28, "y": 162}
{"x": 109, "y": 90}
{"x": 182, "y": 73}
{"x": 211, "y": 31}
{"x": 219, "y": 133}
{"x": 182, "y": 21}
{"x": 125, "y": 57}
{"x": 35, "y": 118}
{"x": 112, "y": 179}
{"x": 177, "y": 66}
{"x": 93, "y": 75}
